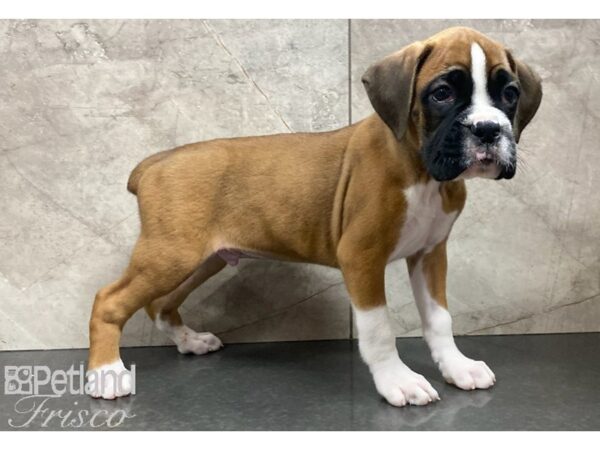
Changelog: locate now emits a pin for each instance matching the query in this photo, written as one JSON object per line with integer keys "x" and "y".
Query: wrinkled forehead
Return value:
{"x": 455, "y": 50}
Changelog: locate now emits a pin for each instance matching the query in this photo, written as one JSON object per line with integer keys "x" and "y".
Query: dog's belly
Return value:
{"x": 232, "y": 256}
{"x": 426, "y": 224}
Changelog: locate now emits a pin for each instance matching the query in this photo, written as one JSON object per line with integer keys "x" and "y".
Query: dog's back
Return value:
{"x": 249, "y": 182}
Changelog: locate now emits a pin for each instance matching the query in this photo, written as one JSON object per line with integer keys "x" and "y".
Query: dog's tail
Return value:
{"x": 136, "y": 174}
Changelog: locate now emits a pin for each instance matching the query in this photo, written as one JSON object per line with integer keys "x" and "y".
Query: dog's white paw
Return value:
{"x": 109, "y": 381}
{"x": 400, "y": 385}
{"x": 190, "y": 341}
{"x": 467, "y": 374}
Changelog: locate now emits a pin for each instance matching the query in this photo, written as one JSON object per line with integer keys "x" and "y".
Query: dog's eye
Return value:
{"x": 443, "y": 94}
{"x": 510, "y": 95}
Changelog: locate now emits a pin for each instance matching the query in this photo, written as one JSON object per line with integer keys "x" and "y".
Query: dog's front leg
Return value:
{"x": 428, "y": 280}
{"x": 394, "y": 380}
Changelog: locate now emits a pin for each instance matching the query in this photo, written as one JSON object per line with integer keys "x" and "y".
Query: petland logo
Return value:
{"x": 38, "y": 386}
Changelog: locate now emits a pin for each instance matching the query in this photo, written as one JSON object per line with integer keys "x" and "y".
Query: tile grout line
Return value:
{"x": 351, "y": 319}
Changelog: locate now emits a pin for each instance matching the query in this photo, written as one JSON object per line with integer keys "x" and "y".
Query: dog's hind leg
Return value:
{"x": 156, "y": 268}
{"x": 164, "y": 311}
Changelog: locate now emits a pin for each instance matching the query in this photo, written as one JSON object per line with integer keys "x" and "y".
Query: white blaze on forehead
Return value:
{"x": 479, "y": 76}
{"x": 482, "y": 108}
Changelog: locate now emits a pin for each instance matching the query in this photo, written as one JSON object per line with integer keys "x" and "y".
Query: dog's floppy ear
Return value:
{"x": 531, "y": 94}
{"x": 390, "y": 85}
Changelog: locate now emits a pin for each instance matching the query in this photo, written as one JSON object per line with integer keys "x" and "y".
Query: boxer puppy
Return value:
{"x": 449, "y": 108}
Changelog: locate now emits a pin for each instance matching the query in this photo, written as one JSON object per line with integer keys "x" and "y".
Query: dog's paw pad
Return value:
{"x": 109, "y": 381}
{"x": 468, "y": 374}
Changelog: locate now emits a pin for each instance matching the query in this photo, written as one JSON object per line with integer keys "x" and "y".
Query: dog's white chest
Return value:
{"x": 426, "y": 223}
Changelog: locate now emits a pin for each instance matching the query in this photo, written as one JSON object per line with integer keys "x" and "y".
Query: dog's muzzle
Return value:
{"x": 490, "y": 150}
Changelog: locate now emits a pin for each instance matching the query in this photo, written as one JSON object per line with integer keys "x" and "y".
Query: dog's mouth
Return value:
{"x": 484, "y": 158}
{"x": 493, "y": 160}
{"x": 482, "y": 163}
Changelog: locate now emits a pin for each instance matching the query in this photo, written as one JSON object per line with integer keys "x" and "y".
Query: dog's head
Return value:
{"x": 462, "y": 98}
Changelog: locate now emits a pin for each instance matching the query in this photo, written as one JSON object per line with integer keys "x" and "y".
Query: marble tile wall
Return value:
{"x": 81, "y": 102}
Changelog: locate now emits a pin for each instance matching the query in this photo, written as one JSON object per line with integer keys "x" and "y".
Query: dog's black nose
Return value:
{"x": 487, "y": 131}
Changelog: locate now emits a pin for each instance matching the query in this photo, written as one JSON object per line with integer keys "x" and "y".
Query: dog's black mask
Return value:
{"x": 455, "y": 142}
{"x": 473, "y": 116}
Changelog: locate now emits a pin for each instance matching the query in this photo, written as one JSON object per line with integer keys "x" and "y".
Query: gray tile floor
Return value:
{"x": 548, "y": 382}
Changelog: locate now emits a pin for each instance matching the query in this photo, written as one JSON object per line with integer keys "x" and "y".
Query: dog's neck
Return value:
{"x": 406, "y": 149}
